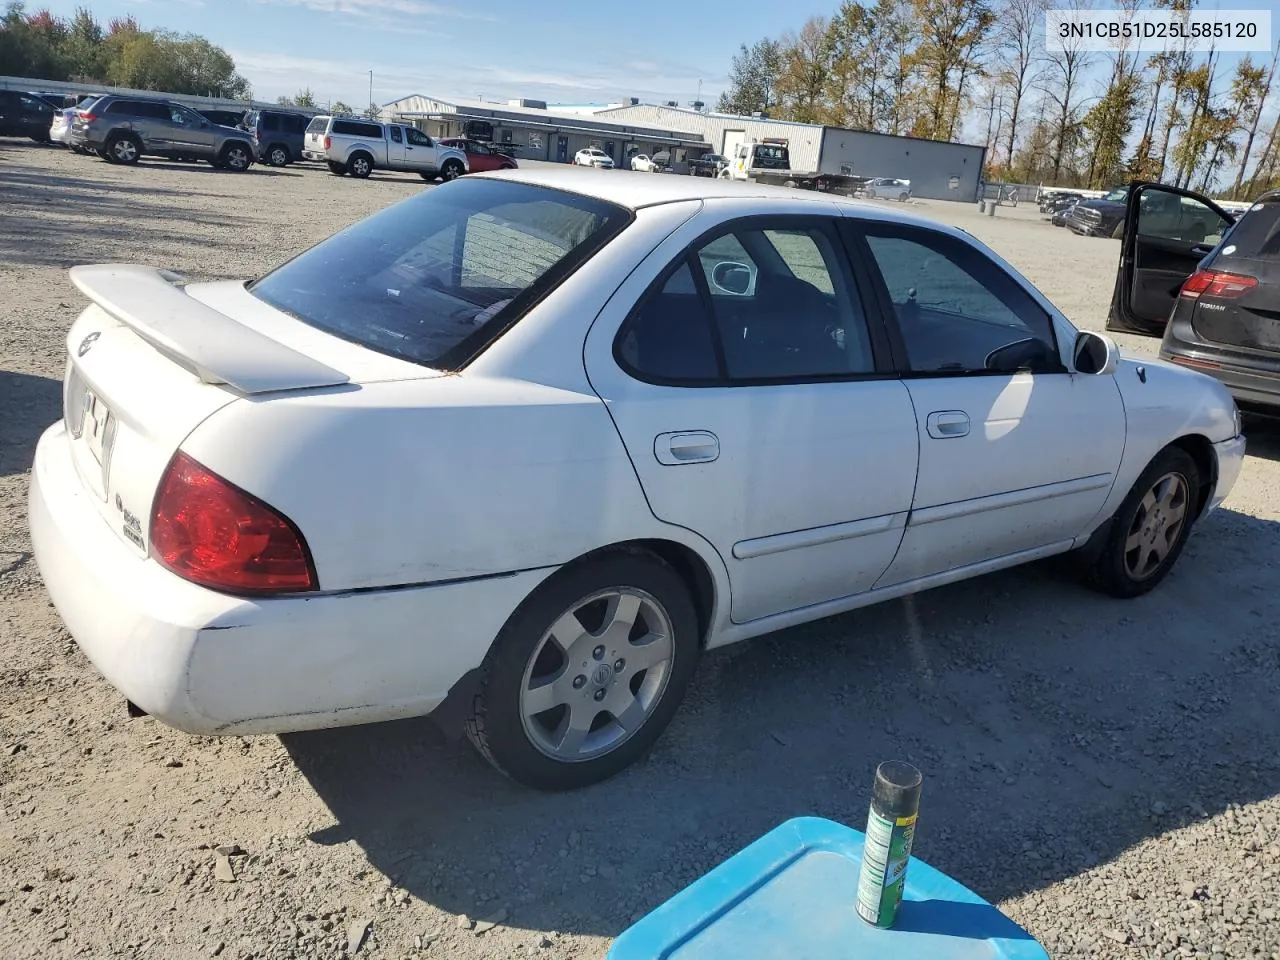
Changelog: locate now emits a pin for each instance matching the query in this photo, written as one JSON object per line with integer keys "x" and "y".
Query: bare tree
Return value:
{"x": 1061, "y": 83}
{"x": 1019, "y": 45}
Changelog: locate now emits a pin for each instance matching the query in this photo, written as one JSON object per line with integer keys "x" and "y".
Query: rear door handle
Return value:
{"x": 1202, "y": 249}
{"x": 948, "y": 424}
{"x": 691, "y": 446}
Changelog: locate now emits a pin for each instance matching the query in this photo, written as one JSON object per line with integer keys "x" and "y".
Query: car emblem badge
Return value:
{"x": 86, "y": 344}
{"x": 603, "y": 674}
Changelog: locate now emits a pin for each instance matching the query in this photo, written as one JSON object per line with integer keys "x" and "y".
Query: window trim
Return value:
{"x": 832, "y": 225}
{"x": 856, "y": 231}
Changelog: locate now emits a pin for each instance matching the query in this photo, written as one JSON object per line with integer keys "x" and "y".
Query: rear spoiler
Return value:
{"x": 212, "y": 345}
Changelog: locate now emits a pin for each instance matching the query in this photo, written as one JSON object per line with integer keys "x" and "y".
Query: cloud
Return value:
{"x": 273, "y": 75}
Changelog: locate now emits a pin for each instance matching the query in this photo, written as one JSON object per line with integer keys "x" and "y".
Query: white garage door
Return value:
{"x": 732, "y": 138}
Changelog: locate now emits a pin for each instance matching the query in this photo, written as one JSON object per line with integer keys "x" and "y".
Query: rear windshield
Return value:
{"x": 436, "y": 278}
{"x": 317, "y": 124}
{"x": 1257, "y": 233}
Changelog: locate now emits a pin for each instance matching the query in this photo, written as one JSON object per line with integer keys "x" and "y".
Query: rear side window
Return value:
{"x": 395, "y": 134}
{"x": 318, "y": 125}
{"x": 1256, "y": 235}
{"x": 435, "y": 278}
{"x": 270, "y": 121}
{"x": 353, "y": 128}
{"x": 295, "y": 124}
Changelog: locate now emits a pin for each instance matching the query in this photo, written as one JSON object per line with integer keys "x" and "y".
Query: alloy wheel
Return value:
{"x": 1156, "y": 526}
{"x": 597, "y": 674}
{"x": 125, "y": 150}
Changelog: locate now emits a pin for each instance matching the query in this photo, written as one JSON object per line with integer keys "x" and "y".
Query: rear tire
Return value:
{"x": 608, "y": 638}
{"x": 360, "y": 166}
{"x": 1150, "y": 528}
{"x": 122, "y": 148}
{"x": 278, "y": 155}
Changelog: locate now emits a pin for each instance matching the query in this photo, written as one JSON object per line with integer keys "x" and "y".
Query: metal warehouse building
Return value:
{"x": 937, "y": 169}
{"x": 542, "y": 134}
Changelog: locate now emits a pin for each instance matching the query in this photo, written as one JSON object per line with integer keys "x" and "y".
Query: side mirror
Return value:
{"x": 1095, "y": 353}
{"x": 732, "y": 277}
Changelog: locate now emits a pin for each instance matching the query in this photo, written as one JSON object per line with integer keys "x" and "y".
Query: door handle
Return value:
{"x": 948, "y": 424}
{"x": 691, "y": 446}
{"x": 1202, "y": 249}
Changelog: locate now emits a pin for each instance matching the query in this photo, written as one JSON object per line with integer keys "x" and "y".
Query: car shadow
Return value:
{"x": 28, "y": 404}
{"x": 1262, "y": 435}
{"x": 1055, "y": 727}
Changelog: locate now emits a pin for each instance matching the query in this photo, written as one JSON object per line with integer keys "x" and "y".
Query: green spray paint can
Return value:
{"x": 891, "y": 827}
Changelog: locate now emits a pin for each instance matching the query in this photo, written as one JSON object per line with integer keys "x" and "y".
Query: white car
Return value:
{"x": 539, "y": 438}
{"x": 591, "y": 157}
{"x": 644, "y": 163}
{"x": 887, "y": 188}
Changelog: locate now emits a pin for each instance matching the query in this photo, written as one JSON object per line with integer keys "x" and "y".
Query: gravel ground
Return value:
{"x": 1106, "y": 771}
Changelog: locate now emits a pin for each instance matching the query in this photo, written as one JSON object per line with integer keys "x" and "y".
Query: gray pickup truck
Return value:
{"x": 358, "y": 147}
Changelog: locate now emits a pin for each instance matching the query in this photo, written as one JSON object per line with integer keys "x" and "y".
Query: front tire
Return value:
{"x": 451, "y": 170}
{"x": 586, "y": 674}
{"x": 278, "y": 155}
{"x": 1151, "y": 527}
{"x": 235, "y": 157}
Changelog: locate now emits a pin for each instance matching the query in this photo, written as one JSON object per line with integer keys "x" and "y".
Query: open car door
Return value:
{"x": 1167, "y": 232}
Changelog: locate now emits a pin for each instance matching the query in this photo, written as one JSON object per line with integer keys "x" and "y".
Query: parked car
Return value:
{"x": 1100, "y": 216}
{"x": 643, "y": 163}
{"x": 225, "y": 118}
{"x": 887, "y": 188}
{"x": 25, "y": 115}
{"x": 479, "y": 443}
{"x": 60, "y": 128}
{"x": 1213, "y": 299}
{"x": 480, "y": 156}
{"x": 708, "y": 165}
{"x": 593, "y": 157}
{"x": 125, "y": 129}
{"x": 1054, "y": 200}
{"x": 359, "y": 147}
{"x": 278, "y": 135}
{"x": 1063, "y": 213}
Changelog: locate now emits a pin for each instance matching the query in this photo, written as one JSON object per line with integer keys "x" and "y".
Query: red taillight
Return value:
{"x": 327, "y": 142}
{"x": 87, "y": 117}
{"x": 212, "y": 533}
{"x": 1215, "y": 283}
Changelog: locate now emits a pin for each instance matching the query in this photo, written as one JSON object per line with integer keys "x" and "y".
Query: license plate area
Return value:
{"x": 92, "y": 426}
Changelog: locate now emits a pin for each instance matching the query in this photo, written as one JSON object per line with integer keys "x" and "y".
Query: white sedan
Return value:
{"x": 887, "y": 188}
{"x": 644, "y": 163}
{"x": 593, "y": 157}
{"x": 539, "y": 438}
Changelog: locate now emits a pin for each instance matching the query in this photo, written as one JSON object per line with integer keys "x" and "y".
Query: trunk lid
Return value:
{"x": 151, "y": 358}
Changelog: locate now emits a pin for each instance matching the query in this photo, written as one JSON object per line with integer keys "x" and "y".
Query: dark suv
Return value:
{"x": 123, "y": 129}
{"x": 224, "y": 118}
{"x": 277, "y": 135}
{"x": 1208, "y": 283}
{"x": 25, "y": 115}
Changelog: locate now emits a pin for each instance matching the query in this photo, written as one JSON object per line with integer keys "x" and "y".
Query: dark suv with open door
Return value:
{"x": 1208, "y": 285}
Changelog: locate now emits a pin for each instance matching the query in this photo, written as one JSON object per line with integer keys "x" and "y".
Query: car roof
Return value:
{"x": 636, "y": 190}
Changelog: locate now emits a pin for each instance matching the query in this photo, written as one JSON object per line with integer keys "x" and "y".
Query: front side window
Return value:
{"x": 1168, "y": 216}
{"x": 433, "y": 279}
{"x": 418, "y": 138}
{"x": 958, "y": 312}
{"x": 270, "y": 122}
{"x": 763, "y": 303}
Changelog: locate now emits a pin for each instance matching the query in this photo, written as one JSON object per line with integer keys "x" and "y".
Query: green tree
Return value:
{"x": 952, "y": 33}
{"x": 802, "y": 82}
{"x": 753, "y": 79}
{"x": 340, "y": 109}
{"x": 1249, "y": 93}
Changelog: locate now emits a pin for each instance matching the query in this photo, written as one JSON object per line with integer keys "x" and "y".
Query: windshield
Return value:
{"x": 1120, "y": 193}
{"x": 435, "y": 278}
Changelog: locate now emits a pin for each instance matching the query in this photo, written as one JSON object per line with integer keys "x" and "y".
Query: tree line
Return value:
{"x": 120, "y": 53}
{"x": 1073, "y": 117}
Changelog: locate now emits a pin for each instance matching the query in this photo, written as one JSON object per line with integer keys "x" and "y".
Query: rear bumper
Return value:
{"x": 315, "y": 155}
{"x": 1251, "y": 386}
{"x": 209, "y": 663}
